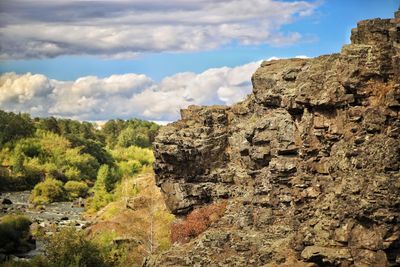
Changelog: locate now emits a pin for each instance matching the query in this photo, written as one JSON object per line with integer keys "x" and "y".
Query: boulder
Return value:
{"x": 6, "y": 201}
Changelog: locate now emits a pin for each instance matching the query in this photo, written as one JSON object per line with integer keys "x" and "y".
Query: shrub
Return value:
{"x": 70, "y": 248}
{"x": 197, "y": 222}
{"x": 76, "y": 189}
{"x": 14, "y": 232}
{"x": 50, "y": 190}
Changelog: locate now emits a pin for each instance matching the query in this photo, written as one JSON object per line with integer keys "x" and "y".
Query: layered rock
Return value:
{"x": 309, "y": 162}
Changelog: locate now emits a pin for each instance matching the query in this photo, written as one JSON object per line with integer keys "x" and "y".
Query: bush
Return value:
{"x": 197, "y": 222}
{"x": 76, "y": 189}
{"x": 50, "y": 190}
{"x": 14, "y": 232}
{"x": 70, "y": 248}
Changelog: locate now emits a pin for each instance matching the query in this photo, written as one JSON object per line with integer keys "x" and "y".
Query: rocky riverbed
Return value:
{"x": 45, "y": 218}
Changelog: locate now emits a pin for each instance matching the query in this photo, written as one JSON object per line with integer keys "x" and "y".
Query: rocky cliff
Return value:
{"x": 309, "y": 162}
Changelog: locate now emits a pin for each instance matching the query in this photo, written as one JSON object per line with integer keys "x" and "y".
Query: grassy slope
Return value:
{"x": 137, "y": 223}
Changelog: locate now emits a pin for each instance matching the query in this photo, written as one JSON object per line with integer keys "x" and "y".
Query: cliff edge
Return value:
{"x": 309, "y": 162}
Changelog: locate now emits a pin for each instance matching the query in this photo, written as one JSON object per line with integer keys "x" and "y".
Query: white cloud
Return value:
{"x": 120, "y": 29}
{"x": 124, "y": 96}
{"x": 302, "y": 56}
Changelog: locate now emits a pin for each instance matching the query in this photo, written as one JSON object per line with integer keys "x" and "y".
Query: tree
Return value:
{"x": 18, "y": 162}
{"x": 92, "y": 147}
{"x": 134, "y": 137}
{"x": 48, "y": 124}
{"x": 101, "y": 195}
{"x": 107, "y": 177}
{"x": 14, "y": 126}
{"x": 130, "y": 132}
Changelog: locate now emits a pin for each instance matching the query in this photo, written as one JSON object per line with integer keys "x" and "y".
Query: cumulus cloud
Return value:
{"x": 120, "y": 29}
{"x": 124, "y": 96}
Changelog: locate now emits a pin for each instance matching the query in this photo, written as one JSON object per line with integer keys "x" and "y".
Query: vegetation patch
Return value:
{"x": 76, "y": 189}
{"x": 15, "y": 234}
{"x": 197, "y": 222}
{"x": 50, "y": 190}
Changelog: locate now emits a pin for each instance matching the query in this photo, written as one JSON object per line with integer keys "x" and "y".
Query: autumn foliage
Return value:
{"x": 197, "y": 222}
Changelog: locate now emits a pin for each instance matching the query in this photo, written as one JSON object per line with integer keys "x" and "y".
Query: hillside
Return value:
{"x": 67, "y": 188}
{"x": 309, "y": 163}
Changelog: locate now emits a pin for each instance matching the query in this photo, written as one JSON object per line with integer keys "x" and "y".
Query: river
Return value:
{"x": 47, "y": 217}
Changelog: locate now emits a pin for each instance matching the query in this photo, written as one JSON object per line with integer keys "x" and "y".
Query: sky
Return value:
{"x": 99, "y": 60}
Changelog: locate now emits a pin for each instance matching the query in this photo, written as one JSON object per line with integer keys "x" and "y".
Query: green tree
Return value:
{"x": 48, "y": 124}
{"x": 18, "y": 162}
{"x": 107, "y": 177}
{"x": 14, "y": 126}
{"x": 111, "y": 129}
{"x": 92, "y": 147}
{"x": 134, "y": 137}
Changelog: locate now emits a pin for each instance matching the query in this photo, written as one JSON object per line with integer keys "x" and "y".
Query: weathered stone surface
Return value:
{"x": 309, "y": 162}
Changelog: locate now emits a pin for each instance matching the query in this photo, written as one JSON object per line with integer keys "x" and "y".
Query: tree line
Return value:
{"x": 63, "y": 159}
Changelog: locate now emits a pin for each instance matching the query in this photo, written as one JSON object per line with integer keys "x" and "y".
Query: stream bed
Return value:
{"x": 47, "y": 218}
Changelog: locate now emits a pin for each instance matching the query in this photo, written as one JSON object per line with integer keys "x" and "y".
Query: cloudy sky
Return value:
{"x": 97, "y": 60}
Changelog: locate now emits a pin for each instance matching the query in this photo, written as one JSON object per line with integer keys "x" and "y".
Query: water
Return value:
{"x": 49, "y": 212}
{"x": 48, "y": 217}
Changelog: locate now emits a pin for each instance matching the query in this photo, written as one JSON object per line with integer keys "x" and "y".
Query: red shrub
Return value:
{"x": 197, "y": 222}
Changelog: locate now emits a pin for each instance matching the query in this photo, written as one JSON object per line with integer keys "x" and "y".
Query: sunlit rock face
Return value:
{"x": 309, "y": 163}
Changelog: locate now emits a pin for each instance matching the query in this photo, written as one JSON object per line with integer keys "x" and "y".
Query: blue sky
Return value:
{"x": 328, "y": 29}
{"x": 67, "y": 41}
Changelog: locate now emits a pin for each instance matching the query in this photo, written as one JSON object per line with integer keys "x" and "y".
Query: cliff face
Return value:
{"x": 309, "y": 163}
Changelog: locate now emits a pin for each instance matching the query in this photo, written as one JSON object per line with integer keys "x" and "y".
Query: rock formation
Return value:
{"x": 309, "y": 162}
